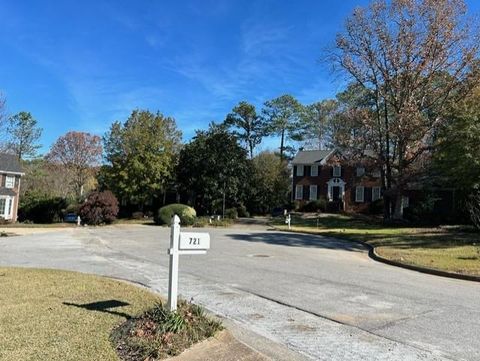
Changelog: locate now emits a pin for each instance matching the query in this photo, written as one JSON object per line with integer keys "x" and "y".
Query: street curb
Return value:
{"x": 376, "y": 257}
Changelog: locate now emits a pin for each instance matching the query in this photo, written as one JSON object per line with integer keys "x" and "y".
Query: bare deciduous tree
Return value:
{"x": 413, "y": 57}
{"x": 80, "y": 153}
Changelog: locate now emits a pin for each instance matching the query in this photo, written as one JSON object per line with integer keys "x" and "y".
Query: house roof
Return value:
{"x": 311, "y": 156}
{"x": 9, "y": 163}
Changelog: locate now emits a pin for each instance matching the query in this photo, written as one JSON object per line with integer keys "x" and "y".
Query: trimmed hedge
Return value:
{"x": 187, "y": 214}
{"x": 40, "y": 209}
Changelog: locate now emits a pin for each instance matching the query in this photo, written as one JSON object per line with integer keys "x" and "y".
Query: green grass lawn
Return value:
{"x": 57, "y": 315}
{"x": 453, "y": 249}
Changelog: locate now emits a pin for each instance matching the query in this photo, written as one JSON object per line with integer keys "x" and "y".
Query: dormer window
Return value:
{"x": 314, "y": 171}
{"x": 337, "y": 171}
{"x": 9, "y": 181}
{"x": 300, "y": 170}
{"x": 360, "y": 171}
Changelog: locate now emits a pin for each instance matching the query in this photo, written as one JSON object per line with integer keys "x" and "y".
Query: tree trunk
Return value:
{"x": 282, "y": 145}
{"x": 388, "y": 168}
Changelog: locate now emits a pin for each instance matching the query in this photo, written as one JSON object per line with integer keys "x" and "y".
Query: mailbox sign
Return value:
{"x": 194, "y": 240}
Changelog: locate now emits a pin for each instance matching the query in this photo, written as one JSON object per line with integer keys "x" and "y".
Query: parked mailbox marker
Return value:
{"x": 288, "y": 220}
{"x": 182, "y": 243}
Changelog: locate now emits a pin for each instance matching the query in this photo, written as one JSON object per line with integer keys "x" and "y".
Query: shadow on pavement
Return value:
{"x": 102, "y": 306}
{"x": 299, "y": 240}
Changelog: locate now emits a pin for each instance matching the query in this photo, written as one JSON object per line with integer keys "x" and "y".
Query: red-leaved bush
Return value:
{"x": 99, "y": 208}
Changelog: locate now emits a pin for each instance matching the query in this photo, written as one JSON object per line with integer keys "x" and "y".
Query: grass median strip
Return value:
{"x": 451, "y": 249}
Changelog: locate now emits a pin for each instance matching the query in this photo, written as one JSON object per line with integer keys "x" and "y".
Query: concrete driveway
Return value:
{"x": 321, "y": 298}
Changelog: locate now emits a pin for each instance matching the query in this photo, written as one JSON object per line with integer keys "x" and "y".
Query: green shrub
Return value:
{"x": 39, "y": 208}
{"x": 376, "y": 207}
{"x": 72, "y": 208}
{"x": 423, "y": 211}
{"x": 159, "y": 333}
{"x": 319, "y": 205}
{"x": 99, "y": 208}
{"x": 242, "y": 211}
{"x": 201, "y": 222}
{"x": 231, "y": 213}
{"x": 187, "y": 214}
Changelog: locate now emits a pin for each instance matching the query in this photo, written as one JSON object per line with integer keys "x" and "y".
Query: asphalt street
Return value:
{"x": 318, "y": 297}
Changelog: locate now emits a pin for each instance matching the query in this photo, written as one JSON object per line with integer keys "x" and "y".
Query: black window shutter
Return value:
{"x": 368, "y": 194}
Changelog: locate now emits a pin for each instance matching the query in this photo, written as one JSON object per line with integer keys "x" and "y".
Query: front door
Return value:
{"x": 335, "y": 193}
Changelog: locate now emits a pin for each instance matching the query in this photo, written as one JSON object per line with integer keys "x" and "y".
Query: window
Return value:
{"x": 376, "y": 193}
{"x": 314, "y": 171}
{"x": 405, "y": 202}
{"x": 376, "y": 173}
{"x": 359, "y": 194}
{"x": 9, "y": 182}
{"x": 299, "y": 170}
{"x": 313, "y": 192}
{"x": 337, "y": 171}
{"x": 299, "y": 192}
{"x": 360, "y": 171}
{"x": 6, "y": 204}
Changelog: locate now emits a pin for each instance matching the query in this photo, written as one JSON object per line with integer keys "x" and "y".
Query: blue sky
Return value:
{"x": 80, "y": 65}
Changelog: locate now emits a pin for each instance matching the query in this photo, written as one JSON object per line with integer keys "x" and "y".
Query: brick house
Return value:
{"x": 347, "y": 186}
{"x": 10, "y": 174}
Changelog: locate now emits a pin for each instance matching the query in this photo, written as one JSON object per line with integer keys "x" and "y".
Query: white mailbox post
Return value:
{"x": 187, "y": 243}
{"x": 288, "y": 220}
